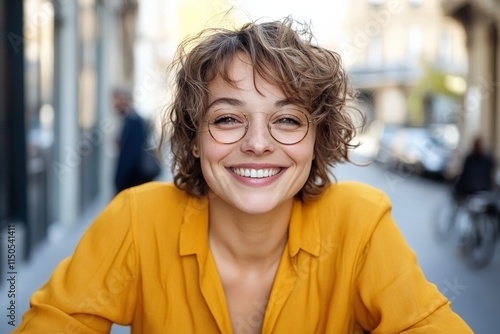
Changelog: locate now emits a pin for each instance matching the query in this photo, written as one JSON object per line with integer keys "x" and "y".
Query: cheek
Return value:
{"x": 312, "y": 144}
{"x": 303, "y": 156}
{"x": 309, "y": 147}
{"x": 212, "y": 153}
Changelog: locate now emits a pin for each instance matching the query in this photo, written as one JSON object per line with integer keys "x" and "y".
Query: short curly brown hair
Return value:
{"x": 284, "y": 54}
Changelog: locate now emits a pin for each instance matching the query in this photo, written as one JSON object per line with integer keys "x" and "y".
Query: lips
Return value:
{"x": 256, "y": 173}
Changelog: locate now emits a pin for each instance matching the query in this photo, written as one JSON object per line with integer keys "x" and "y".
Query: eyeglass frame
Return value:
{"x": 268, "y": 128}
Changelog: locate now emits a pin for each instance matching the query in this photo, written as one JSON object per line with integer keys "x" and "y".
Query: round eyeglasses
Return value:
{"x": 286, "y": 126}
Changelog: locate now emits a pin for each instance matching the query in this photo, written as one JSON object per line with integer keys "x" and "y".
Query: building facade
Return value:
{"x": 481, "y": 112}
{"x": 407, "y": 58}
{"x": 57, "y": 126}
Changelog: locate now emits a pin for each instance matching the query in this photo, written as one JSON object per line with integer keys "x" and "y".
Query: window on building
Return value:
{"x": 375, "y": 50}
{"x": 445, "y": 46}
{"x": 414, "y": 46}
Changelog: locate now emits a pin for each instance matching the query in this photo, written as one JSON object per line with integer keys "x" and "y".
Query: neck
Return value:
{"x": 248, "y": 240}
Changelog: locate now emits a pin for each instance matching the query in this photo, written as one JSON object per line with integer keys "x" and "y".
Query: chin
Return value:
{"x": 256, "y": 206}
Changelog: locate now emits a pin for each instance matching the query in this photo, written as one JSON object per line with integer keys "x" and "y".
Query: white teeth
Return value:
{"x": 256, "y": 173}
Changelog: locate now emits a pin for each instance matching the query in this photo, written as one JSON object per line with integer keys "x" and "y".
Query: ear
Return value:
{"x": 195, "y": 151}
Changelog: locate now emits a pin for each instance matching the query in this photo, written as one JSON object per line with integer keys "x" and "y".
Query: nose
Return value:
{"x": 258, "y": 140}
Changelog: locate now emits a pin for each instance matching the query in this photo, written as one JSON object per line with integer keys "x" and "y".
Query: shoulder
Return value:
{"x": 352, "y": 194}
{"x": 156, "y": 210}
{"x": 141, "y": 209}
{"x": 133, "y": 117}
{"x": 158, "y": 196}
{"x": 151, "y": 204}
{"x": 350, "y": 208}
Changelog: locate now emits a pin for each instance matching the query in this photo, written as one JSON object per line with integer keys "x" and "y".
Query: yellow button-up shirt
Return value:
{"x": 146, "y": 262}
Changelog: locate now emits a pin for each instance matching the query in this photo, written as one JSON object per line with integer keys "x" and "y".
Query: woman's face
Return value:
{"x": 255, "y": 174}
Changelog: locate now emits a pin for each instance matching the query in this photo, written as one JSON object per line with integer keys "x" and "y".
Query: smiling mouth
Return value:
{"x": 256, "y": 173}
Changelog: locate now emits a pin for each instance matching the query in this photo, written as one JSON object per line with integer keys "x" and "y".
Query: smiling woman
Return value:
{"x": 308, "y": 78}
{"x": 252, "y": 236}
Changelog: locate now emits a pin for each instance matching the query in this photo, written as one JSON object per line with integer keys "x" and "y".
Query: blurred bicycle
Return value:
{"x": 477, "y": 229}
{"x": 472, "y": 224}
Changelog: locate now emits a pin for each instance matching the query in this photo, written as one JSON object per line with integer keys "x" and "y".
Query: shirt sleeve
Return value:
{"x": 96, "y": 286}
{"x": 393, "y": 295}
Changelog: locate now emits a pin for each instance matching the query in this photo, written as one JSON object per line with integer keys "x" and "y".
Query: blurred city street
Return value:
{"x": 425, "y": 74}
{"x": 474, "y": 293}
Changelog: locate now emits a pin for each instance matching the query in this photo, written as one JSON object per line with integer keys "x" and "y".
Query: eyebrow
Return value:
{"x": 240, "y": 103}
{"x": 226, "y": 100}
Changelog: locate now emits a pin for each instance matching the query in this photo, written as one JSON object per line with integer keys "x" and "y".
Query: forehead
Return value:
{"x": 242, "y": 83}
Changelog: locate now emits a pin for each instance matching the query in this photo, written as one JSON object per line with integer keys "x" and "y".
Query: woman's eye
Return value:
{"x": 227, "y": 120}
{"x": 288, "y": 121}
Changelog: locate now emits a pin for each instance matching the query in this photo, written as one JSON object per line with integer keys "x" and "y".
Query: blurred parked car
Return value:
{"x": 420, "y": 150}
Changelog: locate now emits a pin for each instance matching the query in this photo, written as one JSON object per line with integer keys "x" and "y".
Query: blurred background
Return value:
{"x": 427, "y": 72}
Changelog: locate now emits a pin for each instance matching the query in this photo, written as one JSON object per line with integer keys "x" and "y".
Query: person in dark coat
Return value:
{"x": 477, "y": 173}
{"x": 131, "y": 143}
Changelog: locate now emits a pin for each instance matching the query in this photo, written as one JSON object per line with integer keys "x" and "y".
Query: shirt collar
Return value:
{"x": 303, "y": 230}
{"x": 194, "y": 230}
